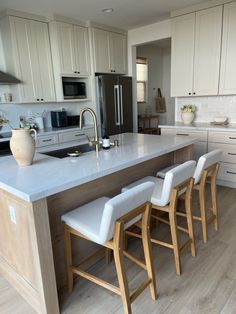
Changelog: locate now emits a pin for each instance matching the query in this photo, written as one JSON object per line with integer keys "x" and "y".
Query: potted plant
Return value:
{"x": 3, "y": 121}
{"x": 188, "y": 113}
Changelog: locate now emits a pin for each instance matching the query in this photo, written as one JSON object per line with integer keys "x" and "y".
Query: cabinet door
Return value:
{"x": 207, "y": 51}
{"x": 228, "y": 57}
{"x": 66, "y": 48}
{"x": 43, "y": 62}
{"x": 182, "y": 55}
{"x": 101, "y": 51}
{"x": 118, "y": 53}
{"x": 82, "y": 50}
{"x": 24, "y": 56}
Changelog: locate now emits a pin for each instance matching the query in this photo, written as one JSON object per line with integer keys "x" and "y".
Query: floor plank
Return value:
{"x": 207, "y": 285}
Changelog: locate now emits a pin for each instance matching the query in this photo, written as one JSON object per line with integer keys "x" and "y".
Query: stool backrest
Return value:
{"x": 122, "y": 204}
{"x": 175, "y": 177}
{"x": 205, "y": 162}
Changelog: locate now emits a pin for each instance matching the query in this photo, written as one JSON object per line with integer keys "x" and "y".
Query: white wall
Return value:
{"x": 159, "y": 62}
{"x": 138, "y": 36}
{"x": 13, "y": 111}
{"x": 209, "y": 107}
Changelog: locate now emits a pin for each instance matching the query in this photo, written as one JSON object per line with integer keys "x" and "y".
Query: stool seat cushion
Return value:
{"x": 156, "y": 197}
{"x": 87, "y": 218}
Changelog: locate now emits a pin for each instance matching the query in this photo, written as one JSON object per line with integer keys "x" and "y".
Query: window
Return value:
{"x": 142, "y": 73}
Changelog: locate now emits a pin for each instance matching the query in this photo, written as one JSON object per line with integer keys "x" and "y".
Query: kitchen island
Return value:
{"x": 32, "y": 200}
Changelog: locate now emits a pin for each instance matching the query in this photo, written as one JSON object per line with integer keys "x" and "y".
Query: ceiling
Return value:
{"x": 127, "y": 14}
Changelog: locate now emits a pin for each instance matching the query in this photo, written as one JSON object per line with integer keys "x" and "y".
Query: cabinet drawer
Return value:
{"x": 70, "y": 136}
{"x": 229, "y": 151}
{"x": 227, "y": 172}
{"x": 200, "y": 135}
{"x": 47, "y": 140}
{"x": 222, "y": 137}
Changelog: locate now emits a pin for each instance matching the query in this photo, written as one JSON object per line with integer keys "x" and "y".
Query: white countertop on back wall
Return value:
{"x": 231, "y": 127}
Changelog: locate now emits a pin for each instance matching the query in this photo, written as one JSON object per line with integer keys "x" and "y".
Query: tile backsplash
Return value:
{"x": 12, "y": 111}
{"x": 209, "y": 107}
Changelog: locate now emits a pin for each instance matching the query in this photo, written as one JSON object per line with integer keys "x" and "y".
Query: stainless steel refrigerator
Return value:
{"x": 114, "y": 97}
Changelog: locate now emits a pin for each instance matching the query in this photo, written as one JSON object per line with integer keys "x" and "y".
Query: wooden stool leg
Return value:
{"x": 189, "y": 214}
{"x": 148, "y": 254}
{"x": 202, "y": 199}
{"x": 215, "y": 205}
{"x": 68, "y": 253}
{"x": 108, "y": 255}
{"x": 175, "y": 241}
{"x": 120, "y": 267}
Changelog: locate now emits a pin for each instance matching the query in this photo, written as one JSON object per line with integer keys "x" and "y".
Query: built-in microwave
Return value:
{"x": 74, "y": 89}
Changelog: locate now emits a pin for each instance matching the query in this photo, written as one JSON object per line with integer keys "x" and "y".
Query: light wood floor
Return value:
{"x": 207, "y": 285}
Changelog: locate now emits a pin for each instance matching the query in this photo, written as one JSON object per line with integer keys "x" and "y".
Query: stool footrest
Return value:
{"x": 141, "y": 288}
{"x": 168, "y": 223}
{"x": 185, "y": 245}
{"x": 96, "y": 280}
{"x": 170, "y": 246}
{"x": 92, "y": 257}
{"x": 135, "y": 260}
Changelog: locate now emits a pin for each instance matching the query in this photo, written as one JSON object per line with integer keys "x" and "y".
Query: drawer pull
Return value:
{"x": 49, "y": 140}
{"x": 231, "y": 172}
{"x": 79, "y": 134}
{"x": 183, "y": 134}
{"x": 232, "y": 154}
{"x": 232, "y": 138}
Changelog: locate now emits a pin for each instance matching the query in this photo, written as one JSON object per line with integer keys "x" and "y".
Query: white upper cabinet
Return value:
{"x": 118, "y": 51}
{"x": 82, "y": 50}
{"x": 207, "y": 51}
{"x": 101, "y": 51}
{"x": 228, "y": 57}
{"x": 44, "y": 61}
{"x": 110, "y": 51}
{"x": 70, "y": 43}
{"x": 28, "y": 57}
{"x": 182, "y": 56}
{"x": 196, "y": 48}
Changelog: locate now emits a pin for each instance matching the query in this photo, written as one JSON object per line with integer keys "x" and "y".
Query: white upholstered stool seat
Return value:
{"x": 206, "y": 170}
{"x": 164, "y": 198}
{"x": 104, "y": 221}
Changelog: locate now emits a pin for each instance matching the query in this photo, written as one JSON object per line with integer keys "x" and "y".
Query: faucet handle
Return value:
{"x": 90, "y": 141}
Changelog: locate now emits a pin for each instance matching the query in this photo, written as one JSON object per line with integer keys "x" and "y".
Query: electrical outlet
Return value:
{"x": 12, "y": 213}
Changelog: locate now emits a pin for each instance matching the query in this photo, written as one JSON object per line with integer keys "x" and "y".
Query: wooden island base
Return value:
{"x": 32, "y": 248}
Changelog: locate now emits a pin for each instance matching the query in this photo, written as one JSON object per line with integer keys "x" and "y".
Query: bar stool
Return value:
{"x": 165, "y": 198}
{"x": 104, "y": 222}
{"x": 206, "y": 172}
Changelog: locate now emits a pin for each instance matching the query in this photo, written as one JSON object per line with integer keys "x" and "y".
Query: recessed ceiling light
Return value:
{"x": 108, "y": 10}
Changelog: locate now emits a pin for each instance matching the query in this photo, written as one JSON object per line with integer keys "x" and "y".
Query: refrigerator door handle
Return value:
{"x": 117, "y": 104}
{"x": 121, "y": 104}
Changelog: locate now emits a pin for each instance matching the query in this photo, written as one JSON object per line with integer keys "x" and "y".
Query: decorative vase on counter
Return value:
{"x": 22, "y": 146}
{"x": 187, "y": 117}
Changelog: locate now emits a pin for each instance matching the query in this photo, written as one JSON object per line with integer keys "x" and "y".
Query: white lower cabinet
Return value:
{"x": 200, "y": 147}
{"x": 226, "y": 141}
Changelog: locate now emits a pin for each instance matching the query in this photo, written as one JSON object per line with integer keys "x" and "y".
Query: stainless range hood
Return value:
{"x": 6, "y": 79}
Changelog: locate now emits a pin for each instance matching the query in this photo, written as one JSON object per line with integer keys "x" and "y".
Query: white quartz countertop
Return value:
{"x": 231, "y": 127}
{"x": 49, "y": 175}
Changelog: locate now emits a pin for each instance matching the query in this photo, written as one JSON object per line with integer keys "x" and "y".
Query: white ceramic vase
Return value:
{"x": 187, "y": 117}
{"x": 23, "y": 146}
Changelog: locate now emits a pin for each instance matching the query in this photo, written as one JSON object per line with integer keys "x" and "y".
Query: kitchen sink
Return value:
{"x": 62, "y": 153}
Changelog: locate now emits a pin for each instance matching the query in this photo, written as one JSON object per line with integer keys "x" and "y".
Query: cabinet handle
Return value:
{"x": 194, "y": 93}
{"x": 79, "y": 134}
{"x": 78, "y": 72}
{"x": 232, "y": 154}
{"x": 41, "y": 99}
{"x": 75, "y": 72}
{"x": 190, "y": 93}
{"x": 182, "y": 134}
{"x": 231, "y": 172}
{"x": 49, "y": 140}
{"x": 37, "y": 99}
{"x": 232, "y": 138}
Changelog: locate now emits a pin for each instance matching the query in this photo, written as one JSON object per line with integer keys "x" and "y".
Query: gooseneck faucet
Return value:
{"x": 95, "y": 142}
